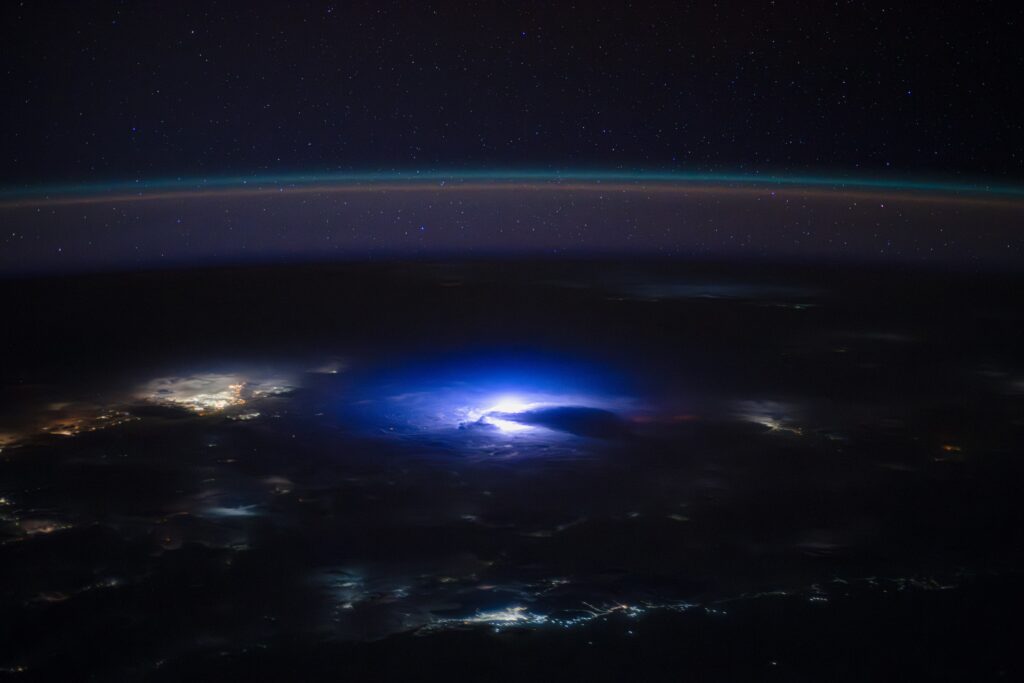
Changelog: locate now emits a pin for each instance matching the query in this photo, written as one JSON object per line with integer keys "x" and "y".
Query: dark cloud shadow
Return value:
{"x": 577, "y": 420}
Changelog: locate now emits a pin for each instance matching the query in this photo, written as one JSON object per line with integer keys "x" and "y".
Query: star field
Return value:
{"x": 125, "y": 90}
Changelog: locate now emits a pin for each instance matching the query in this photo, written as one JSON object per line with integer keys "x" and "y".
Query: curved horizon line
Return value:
{"x": 576, "y": 181}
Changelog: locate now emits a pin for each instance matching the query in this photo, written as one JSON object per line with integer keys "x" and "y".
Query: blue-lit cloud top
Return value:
{"x": 499, "y": 397}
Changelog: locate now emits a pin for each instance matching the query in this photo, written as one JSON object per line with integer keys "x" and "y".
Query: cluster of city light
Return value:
{"x": 33, "y": 527}
{"x": 73, "y": 425}
{"x": 62, "y": 596}
{"x": 202, "y": 394}
{"x": 518, "y": 616}
{"x": 352, "y": 589}
{"x": 66, "y": 419}
{"x": 8, "y": 439}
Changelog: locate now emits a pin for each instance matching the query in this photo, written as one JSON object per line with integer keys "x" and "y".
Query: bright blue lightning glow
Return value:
{"x": 499, "y": 414}
{"x": 489, "y": 397}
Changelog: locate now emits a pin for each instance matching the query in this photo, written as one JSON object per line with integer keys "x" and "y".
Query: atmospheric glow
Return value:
{"x": 136, "y": 190}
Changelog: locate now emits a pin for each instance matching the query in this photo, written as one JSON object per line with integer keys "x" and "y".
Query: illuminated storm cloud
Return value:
{"x": 506, "y": 399}
{"x": 512, "y": 413}
{"x": 775, "y": 415}
{"x": 211, "y": 392}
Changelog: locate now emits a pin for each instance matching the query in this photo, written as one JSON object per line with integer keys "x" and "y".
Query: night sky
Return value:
{"x": 124, "y": 90}
{"x": 283, "y": 113}
{"x": 511, "y": 340}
